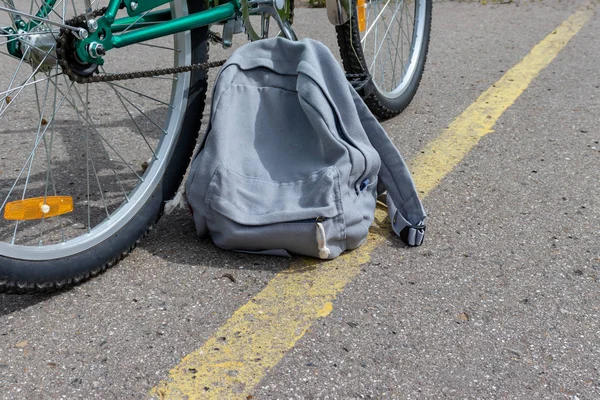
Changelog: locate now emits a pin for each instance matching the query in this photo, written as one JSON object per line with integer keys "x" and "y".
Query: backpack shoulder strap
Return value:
{"x": 405, "y": 210}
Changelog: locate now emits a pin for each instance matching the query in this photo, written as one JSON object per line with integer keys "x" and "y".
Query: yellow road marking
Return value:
{"x": 441, "y": 155}
{"x": 258, "y": 335}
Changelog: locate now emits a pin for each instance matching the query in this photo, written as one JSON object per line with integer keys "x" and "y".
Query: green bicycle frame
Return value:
{"x": 141, "y": 24}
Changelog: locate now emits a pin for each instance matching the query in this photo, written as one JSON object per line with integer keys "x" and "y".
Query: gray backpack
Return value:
{"x": 293, "y": 160}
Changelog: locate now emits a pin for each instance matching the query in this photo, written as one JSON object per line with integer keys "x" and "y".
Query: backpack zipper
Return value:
{"x": 344, "y": 136}
{"x": 324, "y": 251}
{"x": 346, "y": 139}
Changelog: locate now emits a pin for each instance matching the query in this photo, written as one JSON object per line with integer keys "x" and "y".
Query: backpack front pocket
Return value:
{"x": 257, "y": 214}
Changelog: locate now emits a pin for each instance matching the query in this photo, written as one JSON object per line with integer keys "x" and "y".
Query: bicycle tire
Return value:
{"x": 28, "y": 266}
{"x": 386, "y": 93}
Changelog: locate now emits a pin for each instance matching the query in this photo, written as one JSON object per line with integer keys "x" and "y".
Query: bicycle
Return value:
{"x": 101, "y": 105}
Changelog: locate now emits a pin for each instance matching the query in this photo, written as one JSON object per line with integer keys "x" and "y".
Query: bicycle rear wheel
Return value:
{"x": 383, "y": 48}
{"x": 117, "y": 150}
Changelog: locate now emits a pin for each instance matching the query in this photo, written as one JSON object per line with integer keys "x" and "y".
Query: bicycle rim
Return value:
{"x": 104, "y": 145}
{"x": 392, "y": 42}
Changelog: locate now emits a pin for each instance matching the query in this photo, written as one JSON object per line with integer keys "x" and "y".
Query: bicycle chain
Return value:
{"x": 80, "y": 21}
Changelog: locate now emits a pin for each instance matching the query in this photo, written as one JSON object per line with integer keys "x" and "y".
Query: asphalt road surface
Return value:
{"x": 502, "y": 300}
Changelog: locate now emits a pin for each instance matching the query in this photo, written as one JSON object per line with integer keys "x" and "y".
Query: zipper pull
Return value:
{"x": 324, "y": 251}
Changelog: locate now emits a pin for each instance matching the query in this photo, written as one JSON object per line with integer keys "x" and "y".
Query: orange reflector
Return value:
{"x": 361, "y": 8}
{"x": 38, "y": 208}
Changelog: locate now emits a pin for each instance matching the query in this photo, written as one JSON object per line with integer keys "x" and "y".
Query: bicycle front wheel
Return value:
{"x": 115, "y": 150}
{"x": 383, "y": 48}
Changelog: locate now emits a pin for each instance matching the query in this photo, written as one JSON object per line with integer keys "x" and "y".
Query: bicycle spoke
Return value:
{"x": 408, "y": 39}
{"x": 92, "y": 160}
{"x": 120, "y": 97}
{"x": 140, "y": 94}
{"x": 36, "y": 144}
{"x": 159, "y": 47}
{"x": 398, "y": 40}
{"x": 9, "y": 4}
{"x": 409, "y": 42}
{"x": 410, "y": 45}
{"x": 50, "y": 174}
{"x": 36, "y": 18}
{"x": 375, "y": 21}
{"x": 134, "y": 22}
{"x": 53, "y": 10}
{"x": 39, "y": 130}
{"x": 12, "y": 81}
{"x": 67, "y": 139}
{"x": 37, "y": 101}
{"x": 382, "y": 42}
{"x": 146, "y": 116}
{"x": 99, "y": 187}
{"x": 95, "y": 130}
{"x": 16, "y": 36}
{"x": 64, "y": 11}
{"x": 74, "y": 8}
{"x": 105, "y": 152}
{"x": 87, "y": 170}
{"x": 20, "y": 87}
{"x": 387, "y": 39}
{"x": 375, "y": 41}
{"x": 390, "y": 29}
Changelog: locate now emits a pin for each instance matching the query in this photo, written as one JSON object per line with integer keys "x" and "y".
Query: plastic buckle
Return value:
{"x": 412, "y": 235}
{"x": 416, "y": 234}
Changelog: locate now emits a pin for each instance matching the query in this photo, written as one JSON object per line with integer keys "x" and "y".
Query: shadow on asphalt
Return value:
{"x": 9, "y": 303}
{"x": 174, "y": 240}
